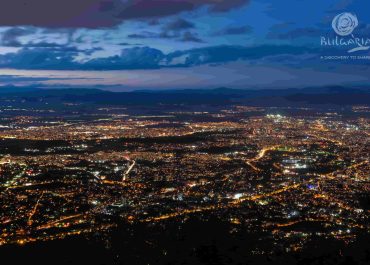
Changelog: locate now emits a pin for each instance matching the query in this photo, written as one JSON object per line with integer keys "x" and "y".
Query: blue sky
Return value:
{"x": 138, "y": 44}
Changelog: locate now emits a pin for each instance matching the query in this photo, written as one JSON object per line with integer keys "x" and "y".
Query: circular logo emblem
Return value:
{"x": 344, "y": 24}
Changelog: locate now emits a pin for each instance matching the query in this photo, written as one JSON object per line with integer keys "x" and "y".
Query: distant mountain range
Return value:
{"x": 269, "y": 97}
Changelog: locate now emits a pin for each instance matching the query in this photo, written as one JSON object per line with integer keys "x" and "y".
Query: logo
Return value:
{"x": 344, "y": 24}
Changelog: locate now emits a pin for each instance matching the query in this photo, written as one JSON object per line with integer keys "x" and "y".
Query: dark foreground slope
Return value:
{"x": 193, "y": 242}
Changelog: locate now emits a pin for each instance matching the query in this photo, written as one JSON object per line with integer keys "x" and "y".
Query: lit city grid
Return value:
{"x": 290, "y": 178}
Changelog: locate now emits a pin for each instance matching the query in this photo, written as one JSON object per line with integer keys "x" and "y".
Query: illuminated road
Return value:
{"x": 128, "y": 171}
{"x": 237, "y": 202}
{"x": 53, "y": 223}
{"x": 259, "y": 156}
{"x": 320, "y": 137}
{"x": 332, "y": 175}
{"x": 233, "y": 203}
{"x": 29, "y": 222}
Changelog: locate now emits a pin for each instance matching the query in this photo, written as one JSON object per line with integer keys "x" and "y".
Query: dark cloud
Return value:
{"x": 10, "y": 36}
{"x": 130, "y": 44}
{"x": 50, "y": 45}
{"x": 39, "y": 58}
{"x": 223, "y": 54}
{"x": 143, "y": 35}
{"x": 168, "y": 35}
{"x": 154, "y": 35}
{"x": 153, "y": 22}
{"x": 54, "y": 13}
{"x": 64, "y": 59}
{"x": 132, "y": 58}
{"x": 172, "y": 30}
{"x": 98, "y": 13}
{"x": 160, "y": 8}
{"x": 223, "y": 6}
{"x": 186, "y": 36}
{"x": 235, "y": 30}
{"x": 45, "y": 56}
{"x": 179, "y": 24}
{"x": 190, "y": 37}
{"x": 147, "y": 58}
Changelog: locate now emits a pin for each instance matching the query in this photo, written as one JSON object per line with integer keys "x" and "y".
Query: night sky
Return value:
{"x": 163, "y": 44}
